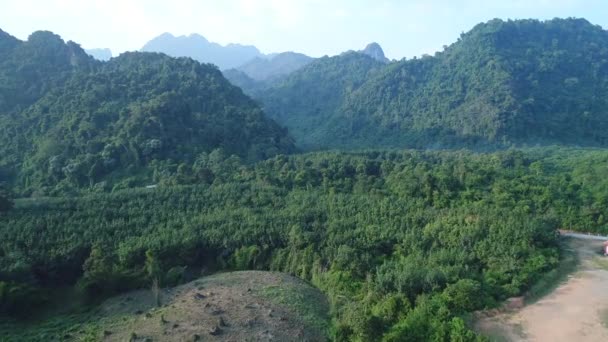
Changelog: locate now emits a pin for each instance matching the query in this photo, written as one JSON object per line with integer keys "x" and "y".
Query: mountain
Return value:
{"x": 81, "y": 122}
{"x": 306, "y": 99}
{"x": 30, "y": 69}
{"x": 262, "y": 69}
{"x": 199, "y": 48}
{"x": 244, "y": 81}
{"x": 374, "y": 50}
{"x": 100, "y": 54}
{"x": 503, "y": 83}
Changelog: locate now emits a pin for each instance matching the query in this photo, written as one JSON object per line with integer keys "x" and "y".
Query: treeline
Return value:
{"x": 403, "y": 243}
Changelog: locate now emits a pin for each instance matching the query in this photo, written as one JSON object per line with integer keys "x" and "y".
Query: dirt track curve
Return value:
{"x": 576, "y": 311}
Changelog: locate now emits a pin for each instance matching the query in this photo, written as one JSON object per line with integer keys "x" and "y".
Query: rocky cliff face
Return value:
{"x": 374, "y": 50}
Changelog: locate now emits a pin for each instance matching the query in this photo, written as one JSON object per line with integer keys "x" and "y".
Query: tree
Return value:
{"x": 6, "y": 203}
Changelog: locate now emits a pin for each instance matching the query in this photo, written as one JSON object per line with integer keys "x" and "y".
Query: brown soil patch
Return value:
{"x": 575, "y": 311}
{"x": 237, "y": 306}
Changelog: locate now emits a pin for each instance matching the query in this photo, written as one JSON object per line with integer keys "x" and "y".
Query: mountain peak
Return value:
{"x": 197, "y": 37}
{"x": 100, "y": 54}
{"x": 166, "y": 35}
{"x": 374, "y": 50}
{"x": 199, "y": 48}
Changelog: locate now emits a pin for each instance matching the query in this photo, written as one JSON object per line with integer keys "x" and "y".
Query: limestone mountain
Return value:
{"x": 100, "y": 54}
{"x": 503, "y": 83}
{"x": 309, "y": 99}
{"x": 29, "y": 69}
{"x": 199, "y": 48}
{"x": 68, "y": 121}
{"x": 374, "y": 50}
{"x": 278, "y": 65}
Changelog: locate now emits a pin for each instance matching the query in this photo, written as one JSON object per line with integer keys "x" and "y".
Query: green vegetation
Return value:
{"x": 403, "y": 243}
{"x": 551, "y": 280}
{"x": 272, "y": 68}
{"x": 87, "y": 325}
{"x": 503, "y": 83}
{"x": 250, "y": 302}
{"x": 604, "y": 317}
{"x": 307, "y": 100}
{"x": 306, "y": 302}
{"x": 79, "y": 123}
{"x": 30, "y": 69}
{"x": 6, "y": 203}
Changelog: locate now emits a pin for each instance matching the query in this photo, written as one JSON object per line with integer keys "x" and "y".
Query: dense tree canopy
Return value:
{"x": 403, "y": 243}
{"x": 79, "y": 122}
{"x": 502, "y": 83}
{"x": 306, "y": 100}
{"x": 274, "y": 67}
{"x": 6, "y": 202}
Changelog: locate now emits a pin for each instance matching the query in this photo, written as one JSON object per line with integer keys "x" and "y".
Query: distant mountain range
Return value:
{"x": 262, "y": 69}
{"x": 243, "y": 64}
{"x": 100, "y": 54}
{"x": 199, "y": 48}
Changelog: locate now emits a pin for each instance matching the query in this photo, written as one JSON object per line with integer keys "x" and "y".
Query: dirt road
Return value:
{"x": 576, "y": 311}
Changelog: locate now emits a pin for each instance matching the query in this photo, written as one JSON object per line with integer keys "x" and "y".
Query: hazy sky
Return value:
{"x": 316, "y": 27}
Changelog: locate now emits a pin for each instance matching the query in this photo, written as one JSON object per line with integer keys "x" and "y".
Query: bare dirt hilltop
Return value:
{"x": 236, "y": 306}
{"x": 576, "y": 311}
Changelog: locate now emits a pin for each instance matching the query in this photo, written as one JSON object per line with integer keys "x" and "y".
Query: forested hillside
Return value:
{"x": 273, "y": 67}
{"x": 148, "y": 171}
{"x": 30, "y": 69}
{"x": 307, "y": 100}
{"x": 403, "y": 243}
{"x": 80, "y": 123}
{"x": 502, "y": 83}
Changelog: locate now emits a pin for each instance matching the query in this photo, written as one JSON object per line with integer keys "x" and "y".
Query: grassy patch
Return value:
{"x": 551, "y": 280}
{"x": 600, "y": 262}
{"x": 500, "y": 330}
{"x": 604, "y": 317}
{"x": 311, "y": 306}
{"x": 86, "y": 326}
{"x": 496, "y": 337}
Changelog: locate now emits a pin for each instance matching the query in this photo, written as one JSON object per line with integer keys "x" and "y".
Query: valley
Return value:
{"x": 154, "y": 196}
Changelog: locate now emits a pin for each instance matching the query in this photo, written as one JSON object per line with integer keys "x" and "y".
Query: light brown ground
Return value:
{"x": 576, "y": 311}
{"x": 237, "y": 306}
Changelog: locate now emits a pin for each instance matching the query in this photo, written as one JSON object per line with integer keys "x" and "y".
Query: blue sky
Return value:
{"x": 404, "y": 28}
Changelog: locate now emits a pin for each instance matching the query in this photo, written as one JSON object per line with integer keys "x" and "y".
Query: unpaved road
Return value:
{"x": 576, "y": 311}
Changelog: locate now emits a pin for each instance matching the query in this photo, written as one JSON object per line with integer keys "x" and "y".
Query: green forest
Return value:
{"x": 81, "y": 123}
{"x": 146, "y": 168}
{"x": 502, "y": 84}
{"x": 403, "y": 243}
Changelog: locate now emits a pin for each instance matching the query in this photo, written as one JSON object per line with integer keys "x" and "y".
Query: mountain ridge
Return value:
{"x": 374, "y": 50}
{"x": 82, "y": 122}
{"x": 502, "y": 83}
{"x": 199, "y": 48}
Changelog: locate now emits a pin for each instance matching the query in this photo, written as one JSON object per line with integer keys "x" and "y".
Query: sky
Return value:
{"x": 404, "y": 28}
